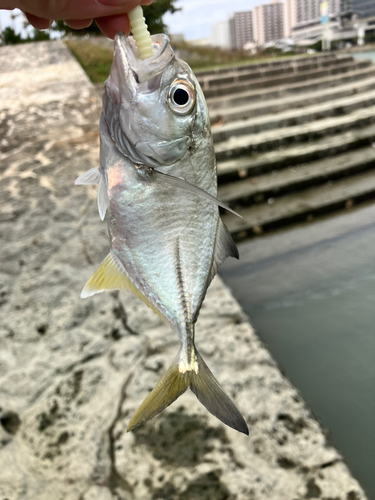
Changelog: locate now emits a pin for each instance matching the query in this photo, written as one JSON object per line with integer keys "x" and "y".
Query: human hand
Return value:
{"x": 109, "y": 15}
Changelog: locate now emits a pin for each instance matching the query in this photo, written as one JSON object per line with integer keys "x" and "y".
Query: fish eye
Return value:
{"x": 181, "y": 97}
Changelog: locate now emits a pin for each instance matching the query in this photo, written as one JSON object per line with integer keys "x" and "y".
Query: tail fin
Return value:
{"x": 205, "y": 387}
{"x": 212, "y": 396}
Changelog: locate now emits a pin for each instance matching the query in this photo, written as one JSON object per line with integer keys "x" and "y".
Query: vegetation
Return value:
{"x": 370, "y": 36}
{"x": 95, "y": 59}
{"x": 10, "y": 37}
{"x": 204, "y": 57}
{"x": 154, "y": 15}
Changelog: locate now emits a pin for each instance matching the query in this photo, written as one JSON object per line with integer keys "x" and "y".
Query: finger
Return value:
{"x": 40, "y": 23}
{"x": 78, "y": 24}
{"x": 111, "y": 25}
{"x": 77, "y": 9}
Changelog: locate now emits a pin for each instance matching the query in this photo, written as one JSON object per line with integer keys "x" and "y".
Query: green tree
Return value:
{"x": 10, "y": 37}
{"x": 39, "y": 36}
{"x": 154, "y": 15}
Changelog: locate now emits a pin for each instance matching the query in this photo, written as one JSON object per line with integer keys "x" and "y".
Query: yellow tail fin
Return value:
{"x": 205, "y": 387}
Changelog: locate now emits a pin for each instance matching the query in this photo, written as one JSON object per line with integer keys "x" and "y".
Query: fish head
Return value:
{"x": 154, "y": 109}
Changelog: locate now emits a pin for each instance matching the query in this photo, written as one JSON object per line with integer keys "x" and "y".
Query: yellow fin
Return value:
{"x": 168, "y": 389}
{"x": 110, "y": 276}
{"x": 204, "y": 385}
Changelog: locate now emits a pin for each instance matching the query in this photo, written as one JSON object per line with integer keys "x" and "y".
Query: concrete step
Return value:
{"x": 265, "y": 64}
{"x": 290, "y": 68}
{"x": 261, "y": 83}
{"x": 261, "y": 163}
{"x": 296, "y": 207}
{"x": 270, "y": 139}
{"x": 265, "y": 94}
{"x": 256, "y": 109}
{"x": 260, "y": 188}
{"x": 335, "y": 107}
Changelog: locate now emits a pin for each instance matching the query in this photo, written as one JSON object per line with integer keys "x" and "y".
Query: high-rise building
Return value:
{"x": 268, "y": 22}
{"x": 307, "y": 11}
{"x": 241, "y": 28}
{"x": 363, "y": 8}
{"x": 308, "y": 19}
{"x": 290, "y": 16}
{"x": 221, "y": 35}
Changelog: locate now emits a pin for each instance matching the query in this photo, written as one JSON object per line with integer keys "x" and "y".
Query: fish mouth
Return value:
{"x": 133, "y": 71}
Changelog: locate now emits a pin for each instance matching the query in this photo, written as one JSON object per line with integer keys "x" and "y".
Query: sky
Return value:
{"x": 194, "y": 20}
{"x": 197, "y": 16}
{"x": 5, "y": 19}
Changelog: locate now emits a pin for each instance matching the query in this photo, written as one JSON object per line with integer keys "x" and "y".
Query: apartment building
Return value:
{"x": 308, "y": 19}
{"x": 221, "y": 35}
{"x": 290, "y": 17}
{"x": 241, "y": 27}
{"x": 268, "y": 22}
{"x": 363, "y": 8}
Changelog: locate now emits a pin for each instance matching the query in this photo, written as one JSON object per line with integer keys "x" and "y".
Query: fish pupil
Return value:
{"x": 180, "y": 97}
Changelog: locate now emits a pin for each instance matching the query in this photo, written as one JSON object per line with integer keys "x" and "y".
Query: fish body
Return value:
{"x": 157, "y": 188}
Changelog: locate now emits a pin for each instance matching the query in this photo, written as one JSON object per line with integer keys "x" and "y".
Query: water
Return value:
{"x": 365, "y": 55}
{"x": 310, "y": 293}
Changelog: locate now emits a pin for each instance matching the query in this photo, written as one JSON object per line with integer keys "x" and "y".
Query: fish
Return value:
{"x": 157, "y": 191}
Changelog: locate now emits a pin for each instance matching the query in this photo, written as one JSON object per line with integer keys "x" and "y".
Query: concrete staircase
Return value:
{"x": 293, "y": 138}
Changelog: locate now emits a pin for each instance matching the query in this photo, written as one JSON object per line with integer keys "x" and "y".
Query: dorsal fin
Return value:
{"x": 224, "y": 247}
{"x": 110, "y": 275}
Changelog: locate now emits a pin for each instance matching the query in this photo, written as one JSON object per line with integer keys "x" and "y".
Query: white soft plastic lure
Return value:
{"x": 157, "y": 188}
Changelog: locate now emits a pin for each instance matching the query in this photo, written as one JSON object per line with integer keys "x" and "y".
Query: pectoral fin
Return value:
{"x": 187, "y": 186}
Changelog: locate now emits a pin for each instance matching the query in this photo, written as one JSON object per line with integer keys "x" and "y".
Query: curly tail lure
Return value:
{"x": 140, "y": 32}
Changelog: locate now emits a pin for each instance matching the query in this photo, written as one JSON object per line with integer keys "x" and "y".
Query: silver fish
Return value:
{"x": 157, "y": 189}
